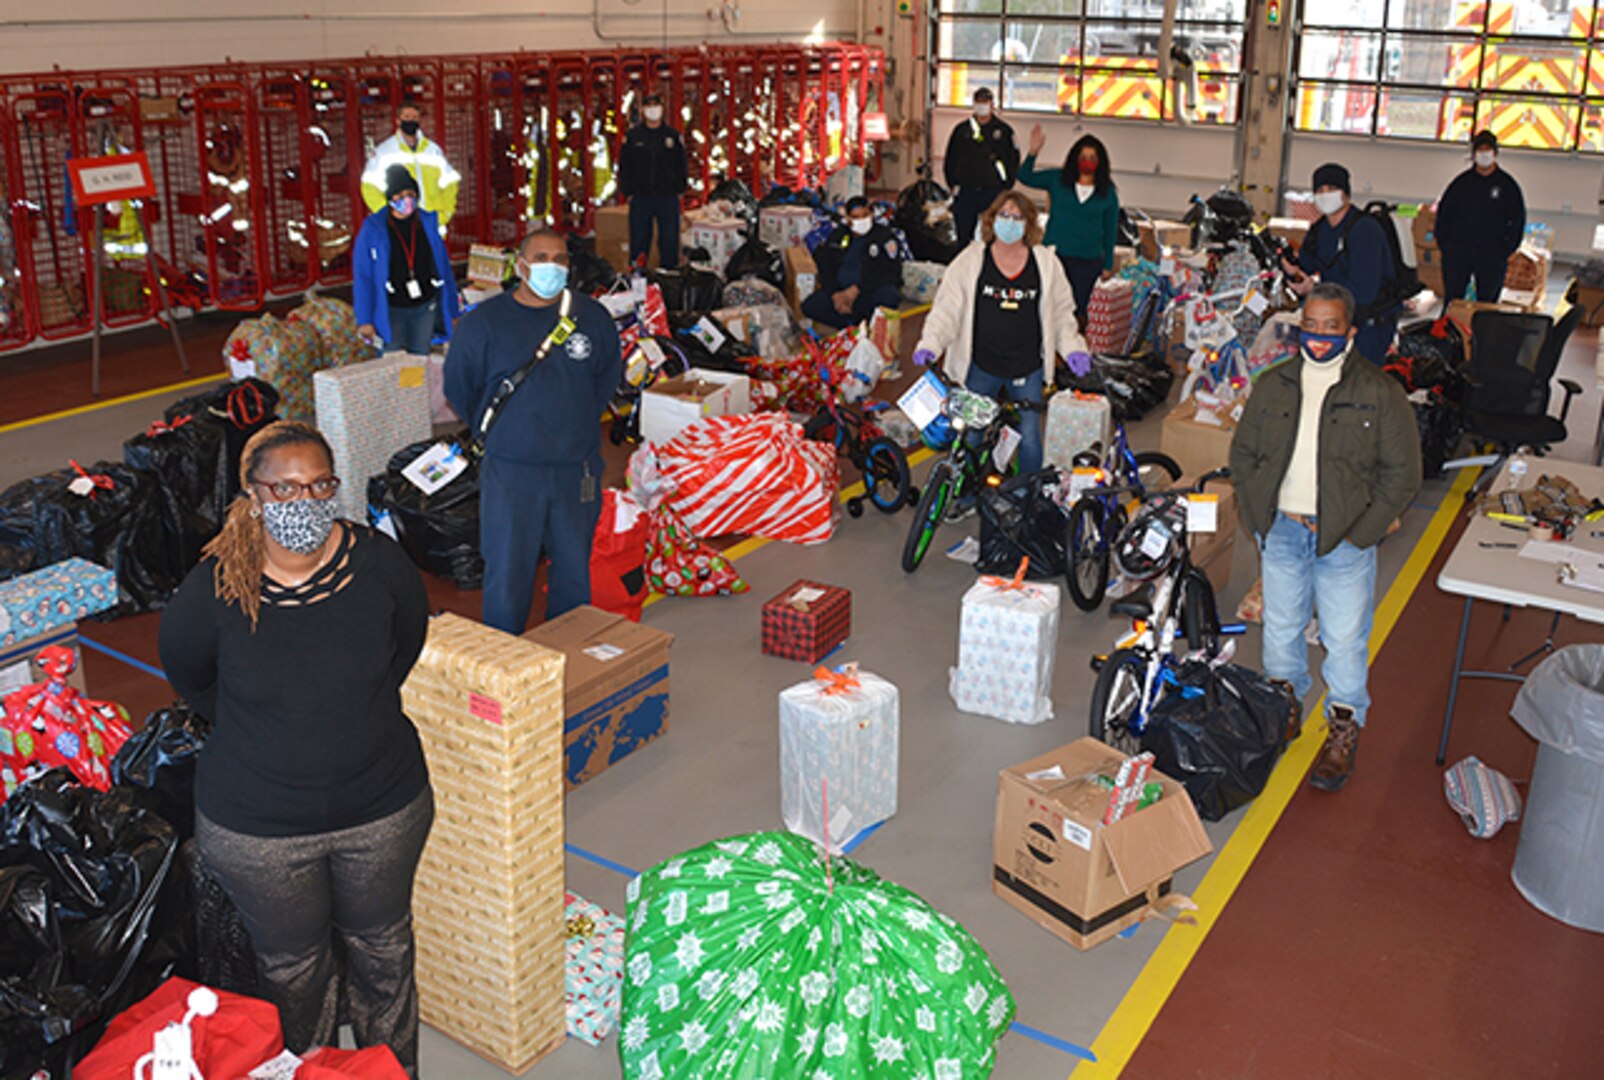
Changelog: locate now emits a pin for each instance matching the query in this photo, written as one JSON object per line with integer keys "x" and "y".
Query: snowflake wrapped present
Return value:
{"x": 838, "y": 753}
{"x": 1006, "y": 639}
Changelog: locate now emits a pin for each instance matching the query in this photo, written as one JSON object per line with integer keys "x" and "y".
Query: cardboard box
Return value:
{"x": 801, "y": 276}
{"x": 670, "y": 406}
{"x": 19, "y": 665}
{"x": 1590, "y": 298}
{"x": 611, "y": 225}
{"x": 1425, "y": 229}
{"x": 1158, "y": 234}
{"x": 1212, "y": 552}
{"x": 615, "y": 687}
{"x": 1527, "y": 271}
{"x": 1292, "y": 230}
{"x": 1196, "y": 445}
{"x": 1056, "y": 861}
{"x": 806, "y": 621}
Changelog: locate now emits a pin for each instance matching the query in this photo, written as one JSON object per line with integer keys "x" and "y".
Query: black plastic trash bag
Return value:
{"x": 740, "y": 198}
{"x": 1134, "y": 387}
{"x": 1219, "y": 733}
{"x": 1441, "y": 425}
{"x": 105, "y": 864}
{"x": 731, "y": 354}
{"x": 588, "y": 271}
{"x": 224, "y": 956}
{"x": 1427, "y": 361}
{"x": 755, "y": 259}
{"x": 158, "y": 765}
{"x": 185, "y": 461}
{"x": 1018, "y": 518}
{"x": 689, "y": 288}
{"x": 931, "y": 237}
{"x": 440, "y": 532}
{"x": 238, "y": 410}
{"x": 39, "y": 1006}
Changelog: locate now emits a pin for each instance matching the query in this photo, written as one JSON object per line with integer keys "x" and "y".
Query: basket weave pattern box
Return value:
{"x": 488, "y": 903}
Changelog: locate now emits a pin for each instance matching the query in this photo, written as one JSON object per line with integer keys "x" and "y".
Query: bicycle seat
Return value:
{"x": 1136, "y": 606}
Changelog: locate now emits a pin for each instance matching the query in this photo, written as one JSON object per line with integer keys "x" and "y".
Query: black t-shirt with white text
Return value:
{"x": 1007, "y": 338}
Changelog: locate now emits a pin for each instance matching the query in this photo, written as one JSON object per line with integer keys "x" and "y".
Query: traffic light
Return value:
{"x": 1272, "y": 12}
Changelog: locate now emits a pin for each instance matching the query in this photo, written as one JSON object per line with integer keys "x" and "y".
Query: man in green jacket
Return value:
{"x": 1325, "y": 458}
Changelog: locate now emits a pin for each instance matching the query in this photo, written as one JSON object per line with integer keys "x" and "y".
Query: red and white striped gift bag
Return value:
{"x": 755, "y": 475}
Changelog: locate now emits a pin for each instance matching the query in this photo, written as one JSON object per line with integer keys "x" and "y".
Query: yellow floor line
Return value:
{"x": 751, "y": 544}
{"x": 1136, "y": 1011}
{"x": 187, "y": 384}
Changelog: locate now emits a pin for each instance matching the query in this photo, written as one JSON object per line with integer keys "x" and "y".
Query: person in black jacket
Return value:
{"x": 860, "y": 269}
{"x": 293, "y": 636}
{"x": 1480, "y": 221}
{"x": 982, "y": 160}
{"x": 1347, "y": 247}
{"x": 651, "y": 175}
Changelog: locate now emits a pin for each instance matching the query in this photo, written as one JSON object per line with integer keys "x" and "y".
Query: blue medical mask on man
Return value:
{"x": 1009, "y": 230}
{"x": 404, "y": 204}
{"x": 1321, "y": 348}
{"x": 547, "y": 279}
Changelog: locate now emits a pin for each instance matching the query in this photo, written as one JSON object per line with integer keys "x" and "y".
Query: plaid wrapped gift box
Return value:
{"x": 594, "y": 969}
{"x": 806, "y": 621}
{"x": 54, "y": 598}
{"x": 368, "y": 411}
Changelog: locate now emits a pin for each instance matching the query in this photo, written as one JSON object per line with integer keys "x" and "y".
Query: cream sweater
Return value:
{"x": 1300, "y": 487}
{"x": 950, "y": 325}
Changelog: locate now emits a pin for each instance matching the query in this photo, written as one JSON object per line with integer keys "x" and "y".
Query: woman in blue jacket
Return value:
{"x": 400, "y": 274}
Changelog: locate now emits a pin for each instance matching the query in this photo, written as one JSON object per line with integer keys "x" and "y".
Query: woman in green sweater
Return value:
{"x": 1083, "y": 220}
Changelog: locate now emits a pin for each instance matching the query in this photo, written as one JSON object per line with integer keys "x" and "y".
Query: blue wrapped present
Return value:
{"x": 54, "y": 598}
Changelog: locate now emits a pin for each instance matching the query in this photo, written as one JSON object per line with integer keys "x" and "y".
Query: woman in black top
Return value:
{"x": 293, "y": 636}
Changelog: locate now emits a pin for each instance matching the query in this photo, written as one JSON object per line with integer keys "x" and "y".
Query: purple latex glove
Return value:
{"x": 1080, "y": 364}
{"x": 923, "y": 358}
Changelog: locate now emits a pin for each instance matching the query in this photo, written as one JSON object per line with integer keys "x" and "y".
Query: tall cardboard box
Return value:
{"x": 612, "y": 237}
{"x": 801, "y": 276}
{"x": 1055, "y": 860}
{"x": 1198, "y": 445}
{"x": 1590, "y": 298}
{"x": 615, "y": 687}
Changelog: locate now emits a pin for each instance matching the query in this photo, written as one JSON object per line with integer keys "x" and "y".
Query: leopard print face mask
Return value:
{"x": 302, "y": 525}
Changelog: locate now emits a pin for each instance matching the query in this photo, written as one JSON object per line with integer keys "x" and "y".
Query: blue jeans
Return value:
{"x": 412, "y": 328}
{"x": 1341, "y": 587}
{"x": 1027, "y": 389}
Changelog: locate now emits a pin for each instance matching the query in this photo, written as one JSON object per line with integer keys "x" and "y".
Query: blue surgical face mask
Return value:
{"x": 404, "y": 205}
{"x": 547, "y": 279}
{"x": 1321, "y": 347}
{"x": 1008, "y": 230}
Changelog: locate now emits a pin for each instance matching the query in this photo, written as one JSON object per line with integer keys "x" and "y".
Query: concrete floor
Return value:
{"x": 715, "y": 772}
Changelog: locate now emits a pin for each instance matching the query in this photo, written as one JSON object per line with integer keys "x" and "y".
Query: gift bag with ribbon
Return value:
{"x": 238, "y": 410}
{"x": 838, "y": 734}
{"x": 594, "y": 970}
{"x": 618, "y": 555}
{"x": 50, "y": 724}
{"x": 283, "y": 353}
{"x": 335, "y": 322}
{"x": 235, "y": 1036}
{"x": 677, "y": 564}
{"x": 754, "y": 475}
{"x": 1007, "y": 637}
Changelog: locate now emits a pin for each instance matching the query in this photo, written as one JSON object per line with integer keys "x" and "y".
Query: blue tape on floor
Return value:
{"x": 1130, "y": 931}
{"x": 606, "y": 864}
{"x": 138, "y": 665}
{"x": 857, "y": 841}
{"x": 1054, "y": 1041}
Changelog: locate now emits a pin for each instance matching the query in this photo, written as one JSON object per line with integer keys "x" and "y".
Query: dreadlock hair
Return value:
{"x": 240, "y": 549}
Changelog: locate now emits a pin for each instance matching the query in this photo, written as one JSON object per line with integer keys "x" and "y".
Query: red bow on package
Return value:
{"x": 1018, "y": 581}
{"x": 88, "y": 483}
{"x": 158, "y": 427}
{"x": 50, "y": 724}
{"x": 837, "y": 680}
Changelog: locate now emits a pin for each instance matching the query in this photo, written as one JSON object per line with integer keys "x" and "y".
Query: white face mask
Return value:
{"x": 983, "y": 110}
{"x": 1485, "y": 159}
{"x": 654, "y": 113}
{"x": 1328, "y": 202}
{"x": 861, "y": 225}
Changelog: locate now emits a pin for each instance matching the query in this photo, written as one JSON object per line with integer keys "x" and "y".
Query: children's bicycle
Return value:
{"x": 1141, "y": 670}
{"x": 887, "y": 482}
{"x": 977, "y": 424}
{"x": 651, "y": 358}
{"x": 1098, "y": 515}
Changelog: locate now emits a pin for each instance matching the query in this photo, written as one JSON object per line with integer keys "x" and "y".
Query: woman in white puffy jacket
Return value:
{"x": 1004, "y": 315}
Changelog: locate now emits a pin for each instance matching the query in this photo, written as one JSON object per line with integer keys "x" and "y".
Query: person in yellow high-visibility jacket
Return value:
{"x": 437, "y": 180}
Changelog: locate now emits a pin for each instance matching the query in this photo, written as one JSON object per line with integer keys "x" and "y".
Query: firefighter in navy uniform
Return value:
{"x": 1481, "y": 219}
{"x": 982, "y": 160}
{"x": 651, "y": 175}
{"x": 860, "y": 269}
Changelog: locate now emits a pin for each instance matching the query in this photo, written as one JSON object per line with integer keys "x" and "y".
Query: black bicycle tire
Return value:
{"x": 927, "y": 517}
{"x": 1200, "y": 615}
{"x": 1089, "y": 507}
{"x": 1160, "y": 459}
{"x": 1122, "y": 736}
{"x": 899, "y": 483}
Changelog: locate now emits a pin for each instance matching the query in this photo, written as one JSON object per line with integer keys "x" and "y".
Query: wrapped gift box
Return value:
{"x": 920, "y": 280}
{"x": 1108, "y": 315}
{"x": 719, "y": 238}
{"x": 595, "y": 969}
{"x": 285, "y": 354}
{"x": 1006, "y": 640}
{"x": 1075, "y": 422}
{"x": 838, "y": 740}
{"x": 488, "y": 900}
{"x": 368, "y": 411}
{"x": 806, "y": 621}
{"x": 43, "y": 608}
{"x": 782, "y": 226}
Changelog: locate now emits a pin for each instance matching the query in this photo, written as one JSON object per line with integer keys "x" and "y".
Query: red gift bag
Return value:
{"x": 227, "y": 1045}
{"x": 373, "y": 1063}
{"x": 618, "y": 555}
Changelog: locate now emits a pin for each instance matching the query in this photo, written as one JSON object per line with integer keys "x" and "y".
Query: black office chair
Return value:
{"x": 1512, "y": 361}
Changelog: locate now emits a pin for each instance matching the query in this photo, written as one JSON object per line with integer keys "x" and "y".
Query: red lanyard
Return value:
{"x": 411, "y": 250}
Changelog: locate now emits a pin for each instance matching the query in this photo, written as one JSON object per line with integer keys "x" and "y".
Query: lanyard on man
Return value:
{"x": 410, "y": 250}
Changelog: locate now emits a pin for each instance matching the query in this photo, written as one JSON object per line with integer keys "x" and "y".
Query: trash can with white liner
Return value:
{"x": 1559, "y": 865}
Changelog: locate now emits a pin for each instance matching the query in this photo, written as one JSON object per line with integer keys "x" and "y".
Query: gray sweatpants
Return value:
{"x": 296, "y": 893}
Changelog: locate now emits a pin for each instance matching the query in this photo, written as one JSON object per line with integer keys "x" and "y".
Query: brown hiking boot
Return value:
{"x": 1335, "y": 763}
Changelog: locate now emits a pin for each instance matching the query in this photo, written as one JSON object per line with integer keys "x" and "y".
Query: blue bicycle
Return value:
{"x": 1097, "y": 516}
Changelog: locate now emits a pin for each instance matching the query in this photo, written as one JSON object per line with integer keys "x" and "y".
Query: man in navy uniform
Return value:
{"x": 1347, "y": 247}
{"x": 651, "y": 175}
{"x": 982, "y": 160}
{"x": 540, "y": 480}
{"x": 860, "y": 269}
{"x": 1480, "y": 221}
